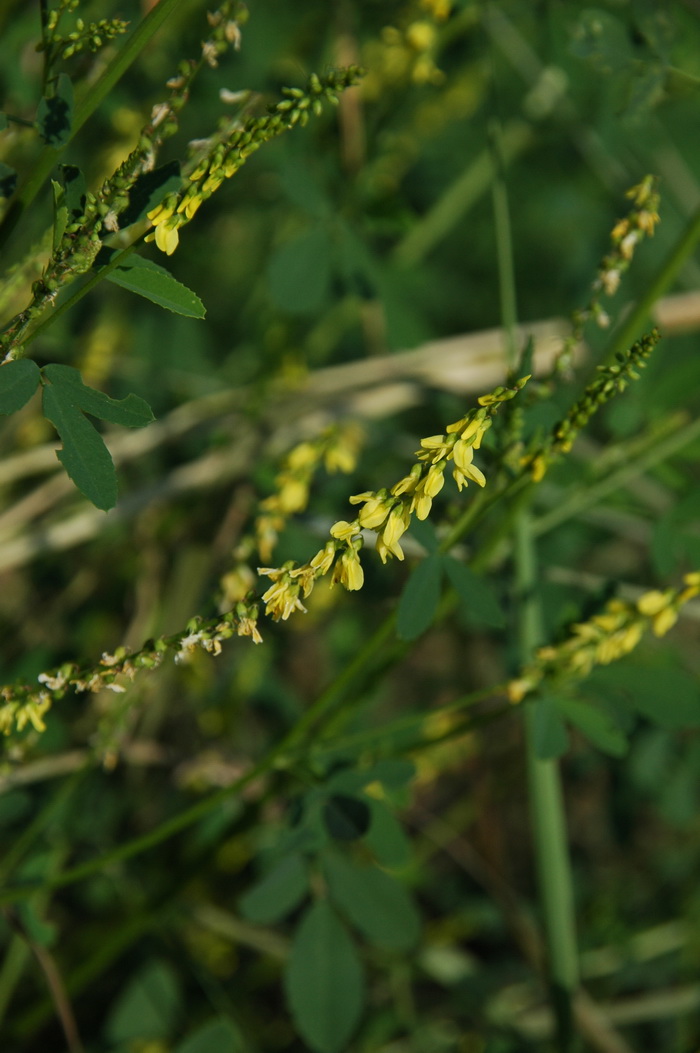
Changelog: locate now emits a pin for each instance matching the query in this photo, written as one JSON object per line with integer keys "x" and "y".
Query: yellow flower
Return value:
{"x": 344, "y": 530}
{"x": 388, "y": 541}
{"x": 323, "y": 560}
{"x": 348, "y": 571}
{"x": 167, "y": 237}
{"x": 663, "y": 621}
{"x": 652, "y": 603}
{"x": 376, "y": 509}
{"x": 249, "y": 627}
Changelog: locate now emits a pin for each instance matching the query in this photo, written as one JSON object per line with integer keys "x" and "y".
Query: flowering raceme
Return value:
{"x": 389, "y": 511}
{"x": 605, "y": 637}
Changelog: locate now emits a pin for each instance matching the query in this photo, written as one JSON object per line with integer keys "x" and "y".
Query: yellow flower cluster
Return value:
{"x": 605, "y": 637}
{"x": 226, "y": 153}
{"x": 388, "y": 511}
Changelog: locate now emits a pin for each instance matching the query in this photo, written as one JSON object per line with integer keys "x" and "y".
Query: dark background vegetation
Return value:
{"x": 324, "y": 249}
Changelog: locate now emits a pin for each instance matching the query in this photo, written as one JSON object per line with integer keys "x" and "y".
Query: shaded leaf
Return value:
{"x": 60, "y": 214}
{"x": 346, "y": 818}
{"x": 148, "y": 1007}
{"x": 18, "y": 382}
{"x": 75, "y": 189}
{"x": 376, "y": 903}
{"x": 420, "y": 598}
{"x": 424, "y": 533}
{"x": 279, "y": 892}
{"x": 54, "y": 114}
{"x": 153, "y": 282}
{"x": 477, "y": 596}
{"x": 668, "y": 697}
{"x": 323, "y": 980}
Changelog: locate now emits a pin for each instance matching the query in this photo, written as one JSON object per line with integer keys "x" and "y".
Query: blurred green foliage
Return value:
{"x": 368, "y": 232}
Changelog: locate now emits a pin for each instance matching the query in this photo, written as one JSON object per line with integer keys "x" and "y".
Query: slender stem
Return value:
{"x": 546, "y": 804}
{"x": 91, "y": 99}
{"x": 547, "y": 810}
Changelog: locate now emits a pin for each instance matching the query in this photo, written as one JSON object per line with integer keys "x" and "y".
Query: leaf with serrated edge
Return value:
{"x": 18, "y": 382}
{"x": 84, "y": 455}
{"x": 155, "y": 283}
{"x": 131, "y": 412}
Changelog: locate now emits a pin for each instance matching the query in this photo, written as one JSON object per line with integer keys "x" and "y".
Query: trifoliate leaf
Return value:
{"x": 372, "y": 900}
{"x": 84, "y": 455}
{"x": 279, "y": 892}
{"x": 323, "y": 981}
{"x": 18, "y": 382}
{"x": 153, "y": 282}
{"x": 420, "y": 598}
{"x": 132, "y": 411}
{"x": 54, "y": 114}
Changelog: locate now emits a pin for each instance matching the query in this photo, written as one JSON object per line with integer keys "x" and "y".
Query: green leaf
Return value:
{"x": 550, "y": 737}
{"x": 8, "y": 180}
{"x": 18, "y": 382}
{"x": 280, "y": 891}
{"x": 155, "y": 283}
{"x": 392, "y": 772}
{"x": 668, "y": 697}
{"x": 84, "y": 455}
{"x": 323, "y": 981}
{"x": 376, "y": 903}
{"x": 217, "y": 1036}
{"x": 299, "y": 274}
{"x": 477, "y": 596}
{"x": 595, "y": 725}
{"x": 420, "y": 598}
{"x": 148, "y": 190}
{"x": 346, "y": 818}
{"x": 386, "y": 837}
{"x": 54, "y": 114}
{"x": 147, "y": 1008}
{"x": 131, "y": 412}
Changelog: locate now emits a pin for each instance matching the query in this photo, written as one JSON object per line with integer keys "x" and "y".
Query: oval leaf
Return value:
{"x": 216, "y": 1036}
{"x": 419, "y": 598}
{"x": 280, "y": 891}
{"x": 154, "y": 283}
{"x": 387, "y": 838}
{"x": 373, "y": 901}
{"x": 323, "y": 981}
{"x": 346, "y": 818}
{"x": 131, "y": 412}
{"x": 18, "y": 382}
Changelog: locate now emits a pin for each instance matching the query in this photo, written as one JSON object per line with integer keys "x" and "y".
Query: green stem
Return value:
{"x": 92, "y": 98}
{"x": 633, "y": 324}
{"x": 546, "y": 804}
{"x": 547, "y": 810}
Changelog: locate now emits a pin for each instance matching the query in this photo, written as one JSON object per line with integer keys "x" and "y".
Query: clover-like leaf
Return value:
{"x": 150, "y": 280}
{"x": 54, "y": 115}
